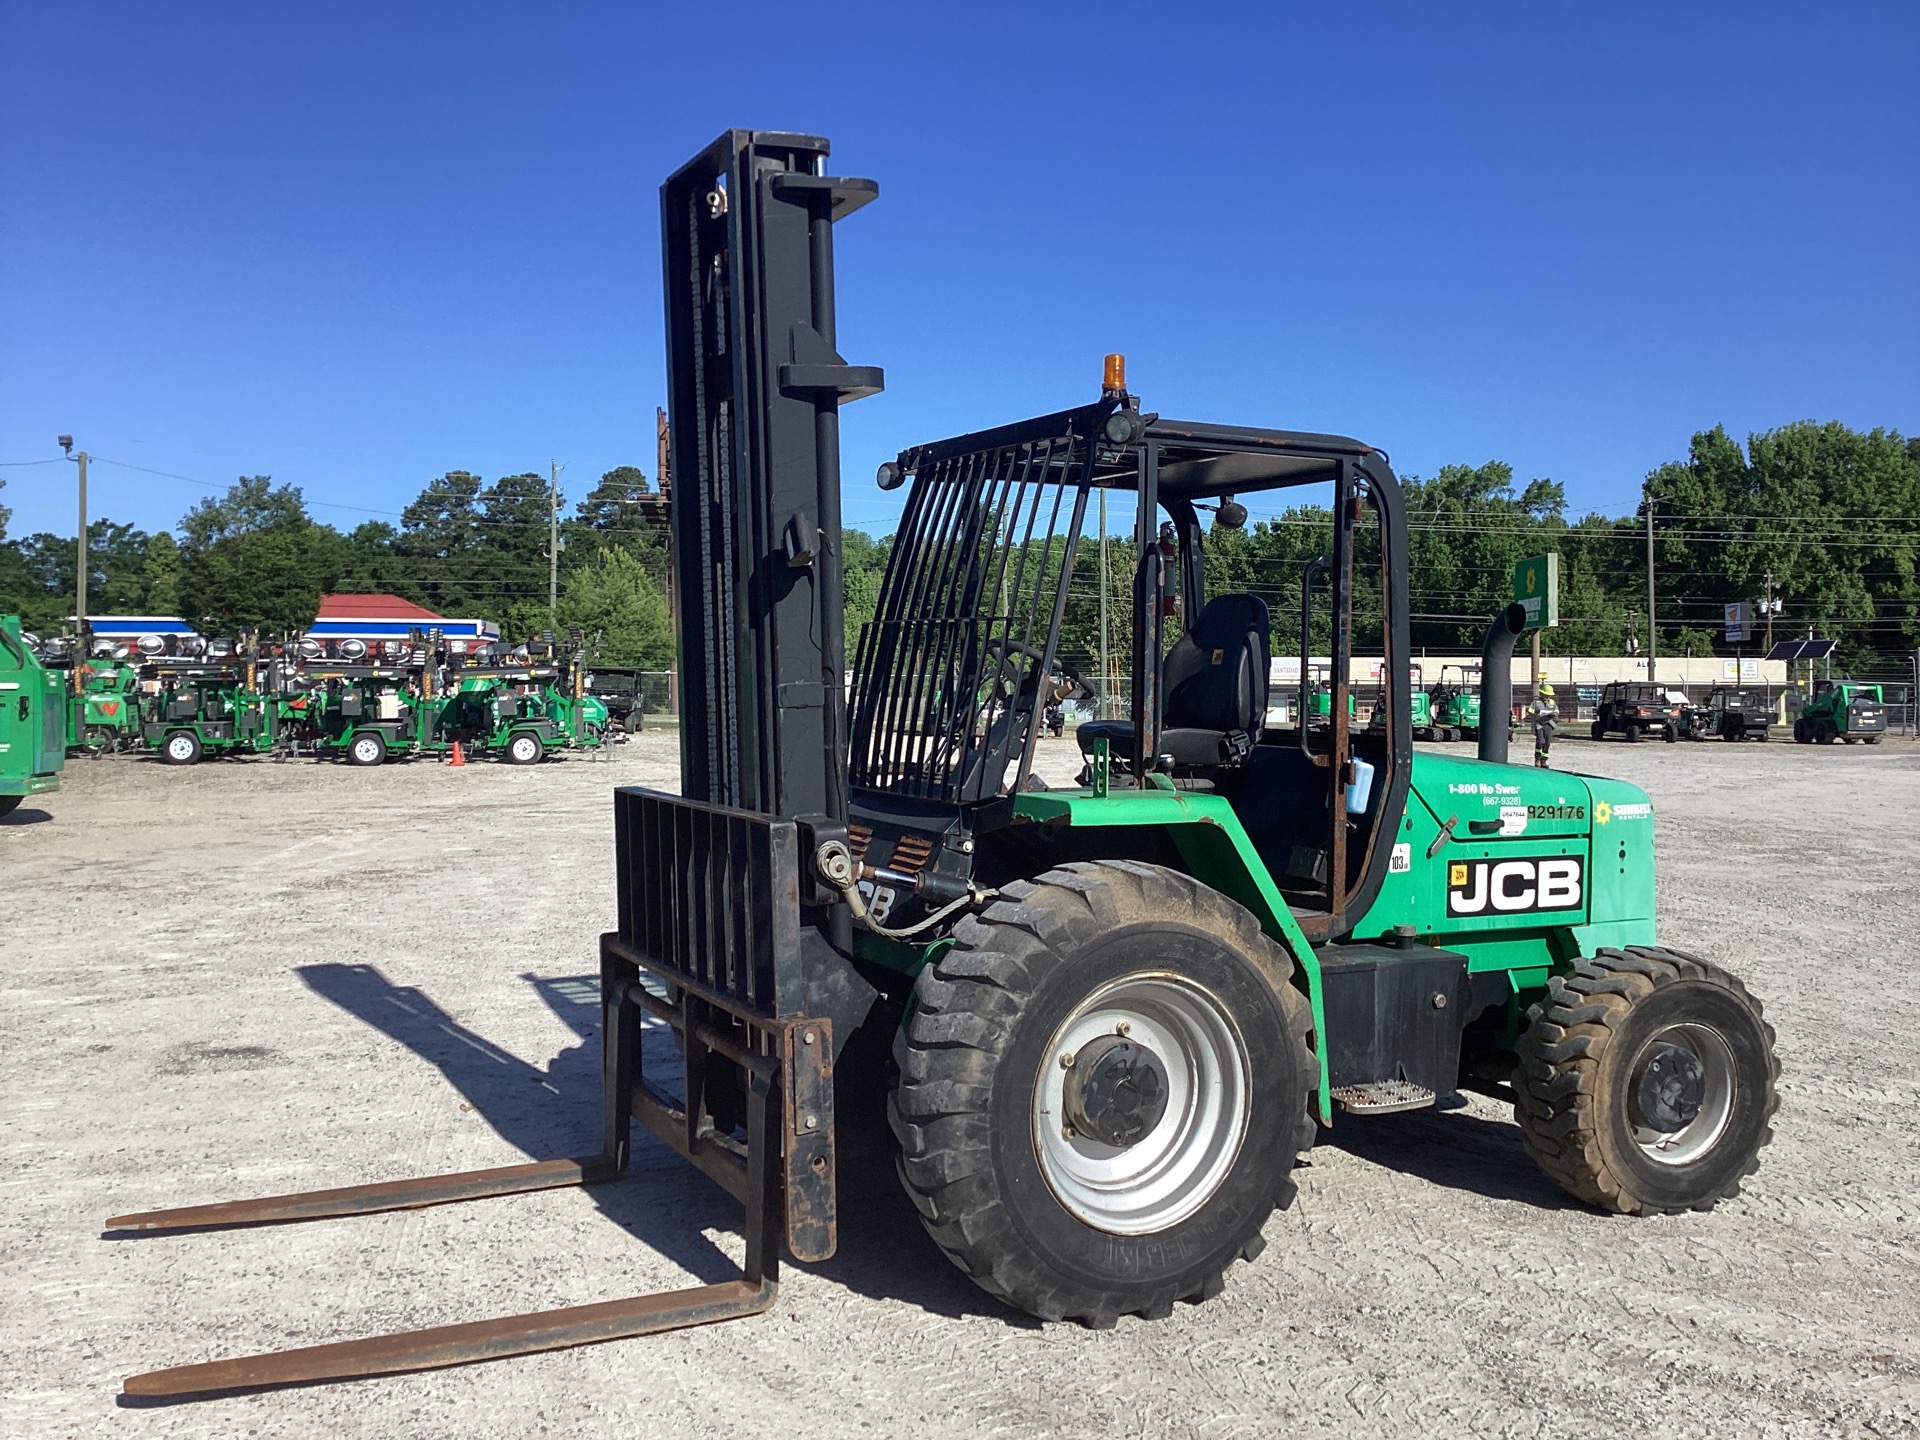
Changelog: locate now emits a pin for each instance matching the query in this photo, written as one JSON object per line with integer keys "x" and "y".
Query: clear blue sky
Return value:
{"x": 354, "y": 245}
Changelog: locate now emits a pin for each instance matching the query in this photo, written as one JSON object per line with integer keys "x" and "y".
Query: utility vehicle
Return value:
{"x": 1635, "y": 709}
{"x": 1731, "y": 713}
{"x": 1104, "y": 1022}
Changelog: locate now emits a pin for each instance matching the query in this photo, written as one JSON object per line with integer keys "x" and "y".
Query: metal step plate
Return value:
{"x": 1382, "y": 1097}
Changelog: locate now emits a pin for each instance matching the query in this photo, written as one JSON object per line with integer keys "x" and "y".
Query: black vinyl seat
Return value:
{"x": 1215, "y": 683}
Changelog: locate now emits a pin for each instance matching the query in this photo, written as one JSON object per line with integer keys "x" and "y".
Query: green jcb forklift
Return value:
{"x": 33, "y": 727}
{"x": 1103, "y": 1022}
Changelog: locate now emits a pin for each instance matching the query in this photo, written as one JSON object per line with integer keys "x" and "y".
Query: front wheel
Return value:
{"x": 1103, "y": 1092}
{"x": 1647, "y": 1082}
{"x": 1800, "y": 735}
{"x": 1599, "y": 730}
{"x": 182, "y": 747}
{"x": 10, "y": 803}
{"x": 525, "y": 749}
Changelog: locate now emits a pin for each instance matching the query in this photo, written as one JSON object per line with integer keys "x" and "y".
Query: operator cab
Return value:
{"x": 979, "y": 605}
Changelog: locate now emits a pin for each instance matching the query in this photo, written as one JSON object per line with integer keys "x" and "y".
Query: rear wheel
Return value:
{"x": 182, "y": 747}
{"x": 525, "y": 749}
{"x": 1599, "y": 730}
{"x": 10, "y": 803}
{"x": 1633, "y": 733}
{"x": 1800, "y": 735}
{"x": 369, "y": 747}
{"x": 1647, "y": 1082}
{"x": 1103, "y": 1092}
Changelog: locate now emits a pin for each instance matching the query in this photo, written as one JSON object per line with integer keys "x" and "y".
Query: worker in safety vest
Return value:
{"x": 1542, "y": 716}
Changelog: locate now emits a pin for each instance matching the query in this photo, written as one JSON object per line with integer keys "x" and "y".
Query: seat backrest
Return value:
{"x": 1215, "y": 676}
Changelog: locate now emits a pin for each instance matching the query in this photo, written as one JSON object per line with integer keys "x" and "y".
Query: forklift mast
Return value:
{"x": 755, "y": 386}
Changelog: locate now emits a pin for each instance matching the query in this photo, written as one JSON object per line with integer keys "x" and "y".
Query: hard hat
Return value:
{"x": 1547, "y": 690}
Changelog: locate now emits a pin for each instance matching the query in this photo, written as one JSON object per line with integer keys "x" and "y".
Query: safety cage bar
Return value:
{"x": 947, "y": 674}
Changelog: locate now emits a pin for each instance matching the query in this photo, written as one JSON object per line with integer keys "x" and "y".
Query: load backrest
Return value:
{"x": 1216, "y": 674}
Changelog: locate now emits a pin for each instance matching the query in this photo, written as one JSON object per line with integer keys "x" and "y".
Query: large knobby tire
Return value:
{"x": 181, "y": 747}
{"x": 1647, "y": 1082}
{"x": 1801, "y": 735}
{"x": 10, "y": 803}
{"x": 1044, "y": 1215}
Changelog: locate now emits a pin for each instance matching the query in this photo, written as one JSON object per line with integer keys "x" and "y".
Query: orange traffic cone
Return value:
{"x": 458, "y": 758}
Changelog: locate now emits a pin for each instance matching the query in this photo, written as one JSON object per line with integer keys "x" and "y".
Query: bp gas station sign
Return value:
{"x": 1536, "y": 590}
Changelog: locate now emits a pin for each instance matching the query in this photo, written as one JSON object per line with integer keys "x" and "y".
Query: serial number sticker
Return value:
{"x": 1513, "y": 819}
{"x": 1402, "y": 859}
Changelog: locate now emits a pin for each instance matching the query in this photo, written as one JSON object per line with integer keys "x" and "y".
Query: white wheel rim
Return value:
{"x": 1173, "y": 1170}
{"x": 523, "y": 748}
{"x": 365, "y": 750}
{"x": 1703, "y": 1132}
{"x": 180, "y": 747}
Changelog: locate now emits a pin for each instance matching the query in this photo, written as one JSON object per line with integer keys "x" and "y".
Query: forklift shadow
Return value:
{"x": 24, "y": 816}
{"x": 551, "y": 1112}
{"x": 1452, "y": 1148}
{"x": 662, "y": 1201}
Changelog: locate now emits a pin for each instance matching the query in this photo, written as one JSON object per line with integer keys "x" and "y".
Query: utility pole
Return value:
{"x": 80, "y": 560}
{"x": 553, "y": 547}
{"x": 1653, "y": 647}
{"x": 1105, "y": 677}
{"x": 1770, "y": 605}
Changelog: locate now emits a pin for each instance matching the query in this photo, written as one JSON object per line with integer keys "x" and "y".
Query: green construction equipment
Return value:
{"x": 1421, "y": 714}
{"x": 1104, "y": 1021}
{"x": 1456, "y": 703}
{"x": 33, "y": 723}
{"x": 103, "y": 712}
{"x": 205, "y": 707}
{"x": 1846, "y": 710}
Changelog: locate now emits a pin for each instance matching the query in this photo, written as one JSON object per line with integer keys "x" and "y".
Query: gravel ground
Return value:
{"x": 251, "y": 978}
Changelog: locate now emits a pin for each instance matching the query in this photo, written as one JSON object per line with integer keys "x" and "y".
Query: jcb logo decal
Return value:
{"x": 1513, "y": 887}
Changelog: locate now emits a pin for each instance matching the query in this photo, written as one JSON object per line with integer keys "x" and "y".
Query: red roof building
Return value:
{"x": 371, "y": 607}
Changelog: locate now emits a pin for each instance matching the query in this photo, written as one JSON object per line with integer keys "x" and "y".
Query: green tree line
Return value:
{"x": 1830, "y": 513}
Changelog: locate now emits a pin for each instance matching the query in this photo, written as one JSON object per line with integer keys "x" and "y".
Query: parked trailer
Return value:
{"x": 202, "y": 708}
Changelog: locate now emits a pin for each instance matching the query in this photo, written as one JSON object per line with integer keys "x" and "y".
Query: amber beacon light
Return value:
{"x": 1115, "y": 381}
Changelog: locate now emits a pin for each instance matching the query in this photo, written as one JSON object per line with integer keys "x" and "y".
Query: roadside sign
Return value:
{"x": 1536, "y": 589}
{"x": 1739, "y": 622}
